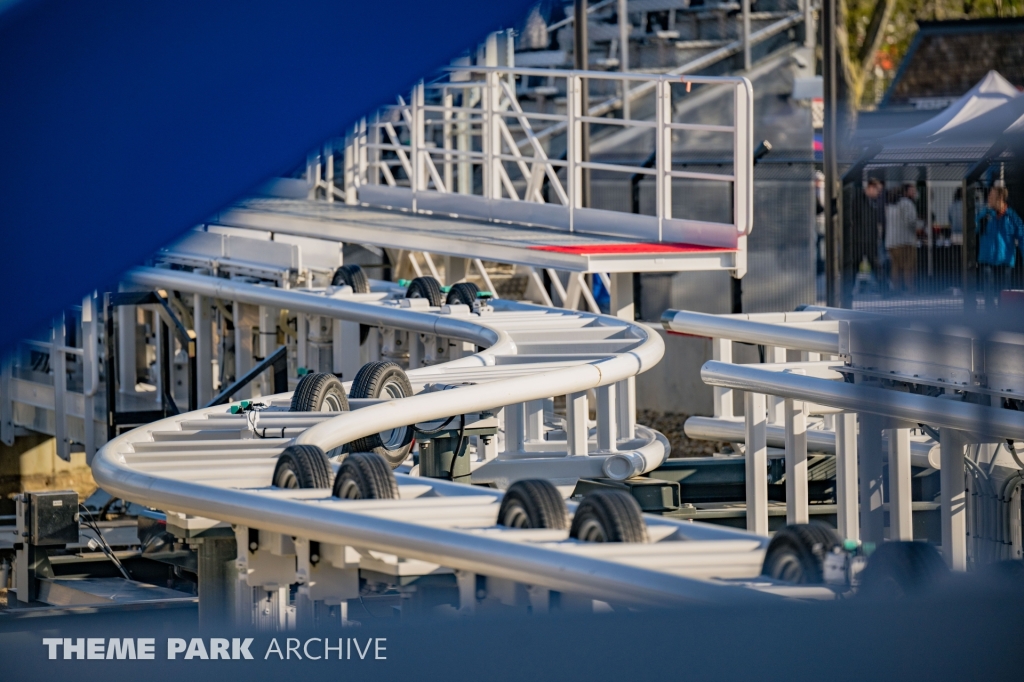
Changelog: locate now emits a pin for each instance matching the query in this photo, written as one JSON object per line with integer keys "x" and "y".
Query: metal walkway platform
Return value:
{"x": 468, "y": 238}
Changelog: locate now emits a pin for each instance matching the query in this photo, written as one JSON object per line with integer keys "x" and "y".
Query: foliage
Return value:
{"x": 873, "y": 36}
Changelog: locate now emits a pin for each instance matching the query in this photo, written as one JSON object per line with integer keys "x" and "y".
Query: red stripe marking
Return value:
{"x": 635, "y": 247}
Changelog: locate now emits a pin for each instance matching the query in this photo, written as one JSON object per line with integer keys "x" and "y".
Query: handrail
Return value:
{"x": 747, "y": 331}
{"x": 918, "y": 409}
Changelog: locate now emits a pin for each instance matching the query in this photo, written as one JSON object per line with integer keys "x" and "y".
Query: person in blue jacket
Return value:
{"x": 999, "y": 228}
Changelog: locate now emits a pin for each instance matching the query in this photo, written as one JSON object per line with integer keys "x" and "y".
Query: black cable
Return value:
{"x": 439, "y": 429}
{"x": 90, "y": 523}
{"x": 458, "y": 447}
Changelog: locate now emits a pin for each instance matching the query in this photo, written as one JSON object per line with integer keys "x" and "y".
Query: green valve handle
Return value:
{"x": 235, "y": 409}
{"x": 484, "y": 294}
{"x": 403, "y": 282}
{"x": 445, "y": 289}
{"x": 302, "y": 371}
{"x": 849, "y": 545}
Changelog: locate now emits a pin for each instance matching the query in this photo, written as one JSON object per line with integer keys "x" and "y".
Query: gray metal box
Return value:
{"x": 54, "y": 518}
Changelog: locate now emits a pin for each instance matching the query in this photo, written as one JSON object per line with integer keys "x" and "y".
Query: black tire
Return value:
{"x": 302, "y": 466}
{"x": 365, "y": 476}
{"x": 608, "y": 516}
{"x": 383, "y": 379}
{"x": 353, "y": 276}
{"x": 796, "y": 553}
{"x": 463, "y": 293}
{"x": 428, "y": 288}
{"x": 533, "y": 504}
{"x": 901, "y": 569}
{"x": 319, "y": 392}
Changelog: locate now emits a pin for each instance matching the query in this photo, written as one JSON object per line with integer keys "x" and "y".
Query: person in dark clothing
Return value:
{"x": 870, "y": 234}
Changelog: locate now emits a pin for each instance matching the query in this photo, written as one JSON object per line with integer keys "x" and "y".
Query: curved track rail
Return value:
{"x": 214, "y": 465}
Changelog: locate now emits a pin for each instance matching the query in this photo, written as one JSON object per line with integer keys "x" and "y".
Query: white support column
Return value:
{"x": 576, "y": 432}
{"x": 415, "y": 351}
{"x": 59, "y": 367}
{"x": 847, "y": 519}
{"x": 776, "y": 409}
{"x": 953, "y": 499}
{"x": 90, "y": 367}
{"x": 721, "y": 350}
{"x": 535, "y": 420}
{"x": 466, "y": 583}
{"x": 756, "y": 463}
{"x": 301, "y": 341}
{"x": 625, "y": 391}
{"x": 901, "y": 521}
{"x": 345, "y": 349}
{"x": 372, "y": 346}
{"x": 515, "y": 427}
{"x": 796, "y": 461}
{"x": 574, "y": 135}
{"x": 622, "y": 295}
{"x": 127, "y": 318}
{"x": 663, "y": 153}
{"x": 455, "y": 269}
{"x": 491, "y": 136}
{"x": 607, "y": 436}
{"x": 869, "y": 474}
{"x": 202, "y": 320}
{"x": 244, "y": 318}
{"x": 624, "y": 30}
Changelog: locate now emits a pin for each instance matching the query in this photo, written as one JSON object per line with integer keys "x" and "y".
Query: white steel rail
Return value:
{"x": 182, "y": 465}
{"x": 953, "y": 375}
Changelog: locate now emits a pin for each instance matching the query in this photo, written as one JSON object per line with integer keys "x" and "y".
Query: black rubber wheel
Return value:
{"x": 383, "y": 379}
{"x": 608, "y": 516}
{"x": 353, "y": 276}
{"x": 797, "y": 552}
{"x": 319, "y": 392}
{"x": 533, "y": 504}
{"x": 428, "y": 288}
{"x": 302, "y": 466}
{"x": 365, "y": 476}
{"x": 463, "y": 293}
{"x": 901, "y": 569}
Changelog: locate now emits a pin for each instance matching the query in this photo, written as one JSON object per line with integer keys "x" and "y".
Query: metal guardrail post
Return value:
{"x": 869, "y": 472}
{"x": 901, "y": 523}
{"x": 663, "y": 154}
{"x": 756, "y": 463}
{"x": 607, "y": 436}
{"x": 953, "y": 498}
{"x": 576, "y": 431}
{"x": 743, "y": 157}
{"x": 796, "y": 461}
{"x": 847, "y": 520}
{"x": 573, "y": 147}
{"x": 58, "y": 363}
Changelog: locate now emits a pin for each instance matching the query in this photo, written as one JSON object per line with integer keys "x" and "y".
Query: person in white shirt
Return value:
{"x": 901, "y": 224}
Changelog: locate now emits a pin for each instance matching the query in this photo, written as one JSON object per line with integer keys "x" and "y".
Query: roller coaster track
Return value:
{"x": 213, "y": 465}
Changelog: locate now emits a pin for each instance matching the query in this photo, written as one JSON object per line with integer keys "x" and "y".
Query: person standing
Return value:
{"x": 999, "y": 228}
{"x": 901, "y": 223}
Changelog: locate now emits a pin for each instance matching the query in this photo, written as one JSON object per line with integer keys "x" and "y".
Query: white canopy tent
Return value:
{"x": 976, "y": 120}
